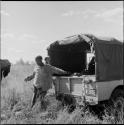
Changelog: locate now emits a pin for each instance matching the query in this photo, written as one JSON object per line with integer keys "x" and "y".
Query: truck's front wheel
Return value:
{"x": 117, "y": 104}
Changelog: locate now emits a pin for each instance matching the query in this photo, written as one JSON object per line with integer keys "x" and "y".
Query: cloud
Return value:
{"x": 71, "y": 13}
{"x": 31, "y": 38}
{"x": 28, "y": 37}
{"x": 20, "y": 37}
{"x": 23, "y": 38}
{"x": 15, "y": 50}
{"x": 2, "y": 12}
{"x": 7, "y": 35}
{"x": 84, "y": 13}
{"x": 110, "y": 15}
{"x": 113, "y": 15}
{"x": 39, "y": 42}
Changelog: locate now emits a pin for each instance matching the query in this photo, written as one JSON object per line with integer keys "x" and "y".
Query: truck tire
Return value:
{"x": 117, "y": 104}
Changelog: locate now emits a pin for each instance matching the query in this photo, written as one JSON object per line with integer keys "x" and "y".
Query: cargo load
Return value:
{"x": 70, "y": 54}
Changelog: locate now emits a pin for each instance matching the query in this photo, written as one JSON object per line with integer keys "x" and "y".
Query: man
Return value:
{"x": 42, "y": 76}
{"x": 91, "y": 66}
{"x": 47, "y": 60}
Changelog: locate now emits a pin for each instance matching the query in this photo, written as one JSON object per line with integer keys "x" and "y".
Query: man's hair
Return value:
{"x": 46, "y": 58}
{"x": 38, "y": 58}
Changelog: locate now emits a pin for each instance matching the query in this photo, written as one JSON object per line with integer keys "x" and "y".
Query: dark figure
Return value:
{"x": 91, "y": 67}
{"x": 47, "y": 60}
{"x": 5, "y": 66}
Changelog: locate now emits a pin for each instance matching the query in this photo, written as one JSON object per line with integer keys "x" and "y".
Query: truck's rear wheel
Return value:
{"x": 117, "y": 104}
{"x": 119, "y": 109}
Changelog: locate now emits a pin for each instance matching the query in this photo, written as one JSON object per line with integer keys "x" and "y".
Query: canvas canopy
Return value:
{"x": 70, "y": 55}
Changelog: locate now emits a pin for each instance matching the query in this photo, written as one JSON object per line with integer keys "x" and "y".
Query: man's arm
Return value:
{"x": 29, "y": 77}
{"x": 56, "y": 70}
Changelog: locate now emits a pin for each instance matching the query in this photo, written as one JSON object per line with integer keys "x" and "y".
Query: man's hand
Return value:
{"x": 69, "y": 73}
{"x": 26, "y": 79}
{"x": 29, "y": 77}
{"x": 77, "y": 74}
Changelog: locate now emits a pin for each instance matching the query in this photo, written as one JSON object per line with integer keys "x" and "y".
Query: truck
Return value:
{"x": 96, "y": 64}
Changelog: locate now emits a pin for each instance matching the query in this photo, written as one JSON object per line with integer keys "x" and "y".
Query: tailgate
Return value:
{"x": 78, "y": 86}
{"x": 69, "y": 85}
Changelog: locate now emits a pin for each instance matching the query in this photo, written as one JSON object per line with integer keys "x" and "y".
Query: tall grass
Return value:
{"x": 16, "y": 98}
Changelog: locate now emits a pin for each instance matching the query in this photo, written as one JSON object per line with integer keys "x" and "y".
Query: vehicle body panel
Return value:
{"x": 105, "y": 88}
{"x": 91, "y": 91}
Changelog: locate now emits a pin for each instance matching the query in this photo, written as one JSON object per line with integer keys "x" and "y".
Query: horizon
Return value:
{"x": 28, "y": 28}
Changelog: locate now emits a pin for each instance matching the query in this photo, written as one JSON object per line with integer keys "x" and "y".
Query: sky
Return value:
{"x": 28, "y": 27}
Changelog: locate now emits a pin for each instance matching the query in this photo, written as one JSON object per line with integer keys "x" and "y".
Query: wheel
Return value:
{"x": 117, "y": 104}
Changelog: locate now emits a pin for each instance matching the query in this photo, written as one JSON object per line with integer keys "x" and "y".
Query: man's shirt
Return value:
{"x": 43, "y": 76}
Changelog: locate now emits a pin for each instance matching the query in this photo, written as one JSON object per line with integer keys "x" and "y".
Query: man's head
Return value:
{"x": 38, "y": 60}
{"x": 47, "y": 60}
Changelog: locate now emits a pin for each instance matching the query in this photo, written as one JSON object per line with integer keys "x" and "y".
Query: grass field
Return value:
{"x": 16, "y": 98}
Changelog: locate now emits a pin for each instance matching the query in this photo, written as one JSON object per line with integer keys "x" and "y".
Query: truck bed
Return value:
{"x": 71, "y": 84}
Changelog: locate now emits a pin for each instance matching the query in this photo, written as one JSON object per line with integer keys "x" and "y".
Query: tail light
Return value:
{"x": 90, "y": 87}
